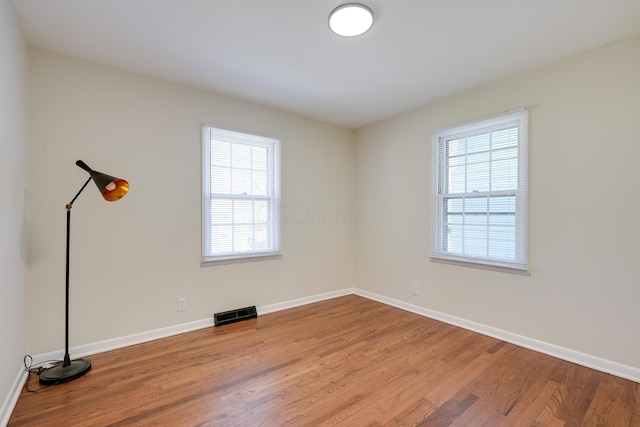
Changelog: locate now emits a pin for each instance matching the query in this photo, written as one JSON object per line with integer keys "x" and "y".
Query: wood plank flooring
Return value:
{"x": 347, "y": 361}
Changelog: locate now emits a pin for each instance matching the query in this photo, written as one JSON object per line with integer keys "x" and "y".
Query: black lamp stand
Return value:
{"x": 70, "y": 369}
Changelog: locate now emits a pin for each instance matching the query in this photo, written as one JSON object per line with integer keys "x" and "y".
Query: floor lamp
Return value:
{"x": 112, "y": 189}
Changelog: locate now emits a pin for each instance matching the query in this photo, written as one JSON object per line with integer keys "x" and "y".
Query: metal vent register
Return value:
{"x": 236, "y": 315}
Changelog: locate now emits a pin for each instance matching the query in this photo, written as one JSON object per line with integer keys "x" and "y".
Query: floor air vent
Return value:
{"x": 233, "y": 316}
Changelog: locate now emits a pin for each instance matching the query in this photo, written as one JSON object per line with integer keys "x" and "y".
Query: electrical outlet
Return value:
{"x": 182, "y": 304}
{"x": 415, "y": 291}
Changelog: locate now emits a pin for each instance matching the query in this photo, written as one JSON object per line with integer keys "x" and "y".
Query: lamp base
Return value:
{"x": 61, "y": 374}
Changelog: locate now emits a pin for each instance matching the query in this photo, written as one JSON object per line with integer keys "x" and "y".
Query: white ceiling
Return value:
{"x": 281, "y": 52}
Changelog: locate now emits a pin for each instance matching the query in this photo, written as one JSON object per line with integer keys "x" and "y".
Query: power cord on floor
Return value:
{"x": 37, "y": 369}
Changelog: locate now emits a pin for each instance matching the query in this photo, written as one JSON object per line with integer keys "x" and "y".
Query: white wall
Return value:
{"x": 13, "y": 214}
{"x": 132, "y": 259}
{"x": 583, "y": 291}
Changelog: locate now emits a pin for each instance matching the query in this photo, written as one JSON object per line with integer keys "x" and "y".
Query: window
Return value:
{"x": 240, "y": 195}
{"x": 479, "y": 206}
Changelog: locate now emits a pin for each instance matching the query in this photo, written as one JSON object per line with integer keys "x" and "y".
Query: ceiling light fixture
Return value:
{"x": 351, "y": 19}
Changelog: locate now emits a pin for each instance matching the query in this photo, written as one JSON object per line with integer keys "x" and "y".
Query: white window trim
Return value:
{"x": 275, "y": 251}
{"x": 521, "y": 264}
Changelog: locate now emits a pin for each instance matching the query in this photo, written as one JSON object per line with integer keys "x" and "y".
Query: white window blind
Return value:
{"x": 480, "y": 194}
{"x": 240, "y": 195}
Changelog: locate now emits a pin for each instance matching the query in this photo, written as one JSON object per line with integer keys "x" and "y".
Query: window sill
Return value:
{"x": 235, "y": 259}
{"x": 481, "y": 264}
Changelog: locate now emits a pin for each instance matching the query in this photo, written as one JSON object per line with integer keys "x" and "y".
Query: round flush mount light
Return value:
{"x": 351, "y": 19}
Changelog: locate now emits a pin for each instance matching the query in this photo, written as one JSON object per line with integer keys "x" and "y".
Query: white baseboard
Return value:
{"x": 115, "y": 343}
{"x": 126, "y": 341}
{"x": 593, "y": 362}
{"x": 12, "y": 397}
{"x": 614, "y": 368}
{"x": 306, "y": 300}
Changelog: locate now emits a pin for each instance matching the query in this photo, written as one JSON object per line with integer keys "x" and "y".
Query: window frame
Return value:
{"x": 272, "y": 195}
{"x": 520, "y": 262}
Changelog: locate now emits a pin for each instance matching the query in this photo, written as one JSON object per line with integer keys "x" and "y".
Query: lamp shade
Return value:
{"x": 110, "y": 187}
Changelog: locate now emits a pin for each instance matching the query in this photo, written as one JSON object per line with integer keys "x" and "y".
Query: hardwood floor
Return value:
{"x": 342, "y": 362}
